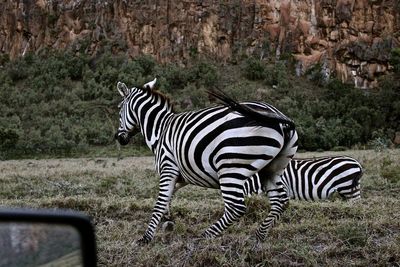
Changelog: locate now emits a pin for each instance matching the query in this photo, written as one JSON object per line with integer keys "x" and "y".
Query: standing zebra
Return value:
{"x": 316, "y": 179}
{"x": 218, "y": 147}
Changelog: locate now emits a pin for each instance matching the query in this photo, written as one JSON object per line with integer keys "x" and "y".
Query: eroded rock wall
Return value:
{"x": 349, "y": 38}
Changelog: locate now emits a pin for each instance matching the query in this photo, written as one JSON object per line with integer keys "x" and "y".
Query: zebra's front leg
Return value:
{"x": 235, "y": 207}
{"x": 279, "y": 201}
{"x": 167, "y": 220}
{"x": 167, "y": 184}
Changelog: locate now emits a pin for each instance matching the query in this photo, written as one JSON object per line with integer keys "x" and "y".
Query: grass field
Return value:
{"x": 120, "y": 193}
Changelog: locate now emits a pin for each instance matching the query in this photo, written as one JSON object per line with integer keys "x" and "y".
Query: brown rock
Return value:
{"x": 343, "y": 31}
{"x": 334, "y": 35}
{"x": 304, "y": 26}
{"x": 306, "y": 61}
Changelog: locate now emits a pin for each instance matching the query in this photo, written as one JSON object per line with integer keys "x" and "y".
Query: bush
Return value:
{"x": 379, "y": 140}
{"x": 395, "y": 60}
{"x": 277, "y": 75}
{"x": 61, "y": 102}
{"x": 8, "y": 139}
{"x": 131, "y": 73}
{"x": 254, "y": 69}
{"x": 175, "y": 77}
{"x": 203, "y": 73}
{"x": 17, "y": 70}
{"x": 146, "y": 63}
{"x": 4, "y": 59}
{"x": 191, "y": 98}
{"x": 317, "y": 74}
{"x": 75, "y": 66}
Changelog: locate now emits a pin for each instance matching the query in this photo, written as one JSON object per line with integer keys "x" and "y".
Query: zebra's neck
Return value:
{"x": 153, "y": 113}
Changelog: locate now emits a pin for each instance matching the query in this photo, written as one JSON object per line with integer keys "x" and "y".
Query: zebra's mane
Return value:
{"x": 157, "y": 93}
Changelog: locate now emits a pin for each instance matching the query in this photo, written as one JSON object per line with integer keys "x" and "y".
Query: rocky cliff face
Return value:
{"x": 351, "y": 38}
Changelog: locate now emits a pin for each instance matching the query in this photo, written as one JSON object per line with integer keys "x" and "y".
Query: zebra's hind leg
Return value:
{"x": 279, "y": 201}
{"x": 232, "y": 193}
{"x": 352, "y": 195}
{"x": 276, "y": 191}
{"x": 351, "y": 192}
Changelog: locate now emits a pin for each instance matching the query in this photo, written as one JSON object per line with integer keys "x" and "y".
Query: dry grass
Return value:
{"x": 120, "y": 194}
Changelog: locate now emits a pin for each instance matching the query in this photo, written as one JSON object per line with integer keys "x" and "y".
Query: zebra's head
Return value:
{"x": 128, "y": 122}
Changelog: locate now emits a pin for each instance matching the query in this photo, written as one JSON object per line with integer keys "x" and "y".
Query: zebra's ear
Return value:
{"x": 122, "y": 89}
{"x": 150, "y": 85}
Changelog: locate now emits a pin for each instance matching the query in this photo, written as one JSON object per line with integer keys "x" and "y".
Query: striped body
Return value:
{"x": 208, "y": 142}
{"x": 215, "y": 147}
{"x": 316, "y": 179}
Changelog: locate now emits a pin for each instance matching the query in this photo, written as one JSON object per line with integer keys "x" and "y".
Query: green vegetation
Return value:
{"x": 395, "y": 59}
{"x": 60, "y": 104}
{"x": 119, "y": 194}
{"x": 65, "y": 104}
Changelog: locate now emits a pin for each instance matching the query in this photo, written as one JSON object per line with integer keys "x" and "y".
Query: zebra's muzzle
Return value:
{"x": 124, "y": 137}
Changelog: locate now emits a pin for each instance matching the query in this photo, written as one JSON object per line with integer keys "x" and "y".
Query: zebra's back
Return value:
{"x": 315, "y": 179}
{"x": 202, "y": 142}
{"x": 318, "y": 178}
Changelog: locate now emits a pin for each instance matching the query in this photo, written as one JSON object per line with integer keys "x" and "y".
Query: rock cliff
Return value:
{"x": 349, "y": 38}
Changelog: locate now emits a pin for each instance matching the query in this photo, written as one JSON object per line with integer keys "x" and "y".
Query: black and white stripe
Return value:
{"x": 219, "y": 147}
{"x": 316, "y": 179}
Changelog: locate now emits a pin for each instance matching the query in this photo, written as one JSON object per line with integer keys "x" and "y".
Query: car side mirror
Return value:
{"x": 46, "y": 237}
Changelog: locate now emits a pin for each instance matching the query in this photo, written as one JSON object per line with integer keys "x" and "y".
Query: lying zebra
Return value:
{"x": 315, "y": 179}
{"x": 309, "y": 179}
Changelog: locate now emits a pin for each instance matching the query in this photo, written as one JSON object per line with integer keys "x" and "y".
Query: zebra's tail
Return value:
{"x": 259, "y": 116}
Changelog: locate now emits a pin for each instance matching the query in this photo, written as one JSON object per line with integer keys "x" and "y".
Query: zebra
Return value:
{"x": 315, "y": 179}
{"x": 216, "y": 147}
{"x": 309, "y": 179}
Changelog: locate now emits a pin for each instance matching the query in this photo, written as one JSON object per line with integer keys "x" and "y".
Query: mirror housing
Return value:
{"x": 49, "y": 219}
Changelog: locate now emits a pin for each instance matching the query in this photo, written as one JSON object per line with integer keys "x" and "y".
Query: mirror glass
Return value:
{"x": 38, "y": 244}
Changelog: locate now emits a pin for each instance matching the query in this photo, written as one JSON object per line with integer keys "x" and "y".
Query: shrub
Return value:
{"x": 175, "y": 77}
{"x": 131, "y": 73}
{"x": 203, "y": 73}
{"x": 395, "y": 60}
{"x": 60, "y": 101}
{"x": 146, "y": 63}
{"x": 55, "y": 140}
{"x": 191, "y": 98}
{"x": 8, "y": 138}
{"x": 75, "y": 66}
{"x": 316, "y": 74}
{"x": 17, "y": 70}
{"x": 4, "y": 59}
{"x": 277, "y": 75}
{"x": 379, "y": 141}
{"x": 254, "y": 69}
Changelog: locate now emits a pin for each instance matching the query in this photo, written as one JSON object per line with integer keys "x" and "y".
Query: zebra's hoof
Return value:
{"x": 261, "y": 236}
{"x": 168, "y": 226}
{"x": 143, "y": 241}
{"x": 207, "y": 235}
